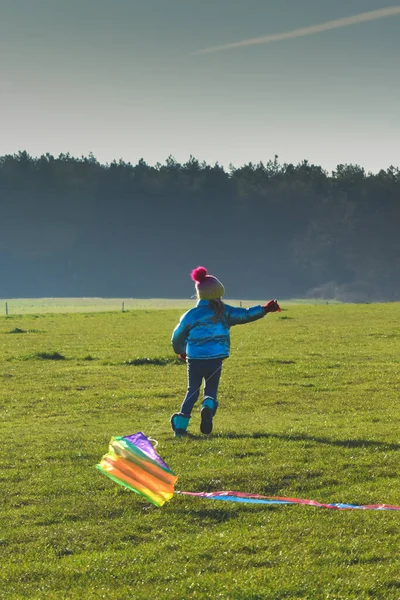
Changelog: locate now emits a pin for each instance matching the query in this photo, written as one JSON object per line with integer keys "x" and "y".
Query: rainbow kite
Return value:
{"x": 132, "y": 462}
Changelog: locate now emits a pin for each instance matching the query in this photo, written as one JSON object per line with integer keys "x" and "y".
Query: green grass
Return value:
{"x": 309, "y": 407}
{"x": 17, "y": 306}
{"x": 21, "y": 306}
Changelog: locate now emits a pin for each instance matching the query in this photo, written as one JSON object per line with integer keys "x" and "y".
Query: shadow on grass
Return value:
{"x": 45, "y": 356}
{"x": 309, "y": 438}
{"x": 158, "y": 361}
{"x": 212, "y": 514}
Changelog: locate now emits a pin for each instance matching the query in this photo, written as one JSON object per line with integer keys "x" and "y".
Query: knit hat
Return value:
{"x": 208, "y": 287}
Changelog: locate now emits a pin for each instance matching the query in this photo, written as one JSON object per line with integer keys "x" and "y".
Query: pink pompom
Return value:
{"x": 199, "y": 274}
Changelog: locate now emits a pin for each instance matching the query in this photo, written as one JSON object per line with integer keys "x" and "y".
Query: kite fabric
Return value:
{"x": 132, "y": 462}
{"x": 257, "y": 499}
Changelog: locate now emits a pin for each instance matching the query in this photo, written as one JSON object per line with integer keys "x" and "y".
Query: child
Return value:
{"x": 202, "y": 338}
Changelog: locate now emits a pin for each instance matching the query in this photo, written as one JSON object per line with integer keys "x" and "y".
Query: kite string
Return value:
{"x": 241, "y": 497}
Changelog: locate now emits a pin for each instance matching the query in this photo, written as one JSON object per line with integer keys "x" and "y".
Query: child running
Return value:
{"x": 202, "y": 338}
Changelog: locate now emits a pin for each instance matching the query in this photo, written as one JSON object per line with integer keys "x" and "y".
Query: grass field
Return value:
{"x": 309, "y": 407}
{"x": 25, "y": 306}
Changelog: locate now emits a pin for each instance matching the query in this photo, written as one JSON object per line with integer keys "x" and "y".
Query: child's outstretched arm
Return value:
{"x": 237, "y": 316}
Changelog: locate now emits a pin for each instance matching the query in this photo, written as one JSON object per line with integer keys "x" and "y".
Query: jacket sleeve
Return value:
{"x": 179, "y": 336}
{"x": 238, "y": 316}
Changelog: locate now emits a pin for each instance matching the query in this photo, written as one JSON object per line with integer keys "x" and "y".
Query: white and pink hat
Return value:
{"x": 207, "y": 286}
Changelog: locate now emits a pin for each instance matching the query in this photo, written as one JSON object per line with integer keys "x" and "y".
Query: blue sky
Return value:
{"x": 122, "y": 79}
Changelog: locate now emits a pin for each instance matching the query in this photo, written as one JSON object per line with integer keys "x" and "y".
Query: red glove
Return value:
{"x": 183, "y": 356}
{"x": 272, "y": 306}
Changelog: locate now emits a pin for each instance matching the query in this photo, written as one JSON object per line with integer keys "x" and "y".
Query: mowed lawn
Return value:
{"x": 309, "y": 407}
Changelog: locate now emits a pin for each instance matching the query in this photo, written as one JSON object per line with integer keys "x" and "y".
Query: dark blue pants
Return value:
{"x": 210, "y": 371}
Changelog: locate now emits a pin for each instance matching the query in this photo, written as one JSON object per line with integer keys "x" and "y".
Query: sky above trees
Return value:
{"x": 124, "y": 79}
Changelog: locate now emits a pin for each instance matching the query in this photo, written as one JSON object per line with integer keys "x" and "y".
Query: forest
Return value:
{"x": 73, "y": 227}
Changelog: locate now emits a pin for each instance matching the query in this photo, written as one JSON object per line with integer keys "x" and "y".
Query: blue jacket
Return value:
{"x": 201, "y": 337}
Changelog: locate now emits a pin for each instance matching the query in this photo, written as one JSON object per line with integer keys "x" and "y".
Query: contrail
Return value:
{"x": 294, "y": 33}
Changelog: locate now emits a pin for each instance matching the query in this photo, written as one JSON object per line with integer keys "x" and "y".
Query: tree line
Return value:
{"x": 75, "y": 227}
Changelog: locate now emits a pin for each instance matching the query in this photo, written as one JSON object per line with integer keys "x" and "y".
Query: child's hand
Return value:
{"x": 183, "y": 356}
{"x": 272, "y": 306}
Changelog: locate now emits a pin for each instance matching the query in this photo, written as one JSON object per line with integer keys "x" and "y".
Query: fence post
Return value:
{"x": 123, "y": 307}
{"x": 6, "y": 309}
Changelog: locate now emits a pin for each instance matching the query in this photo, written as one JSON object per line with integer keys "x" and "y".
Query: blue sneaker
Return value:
{"x": 179, "y": 424}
